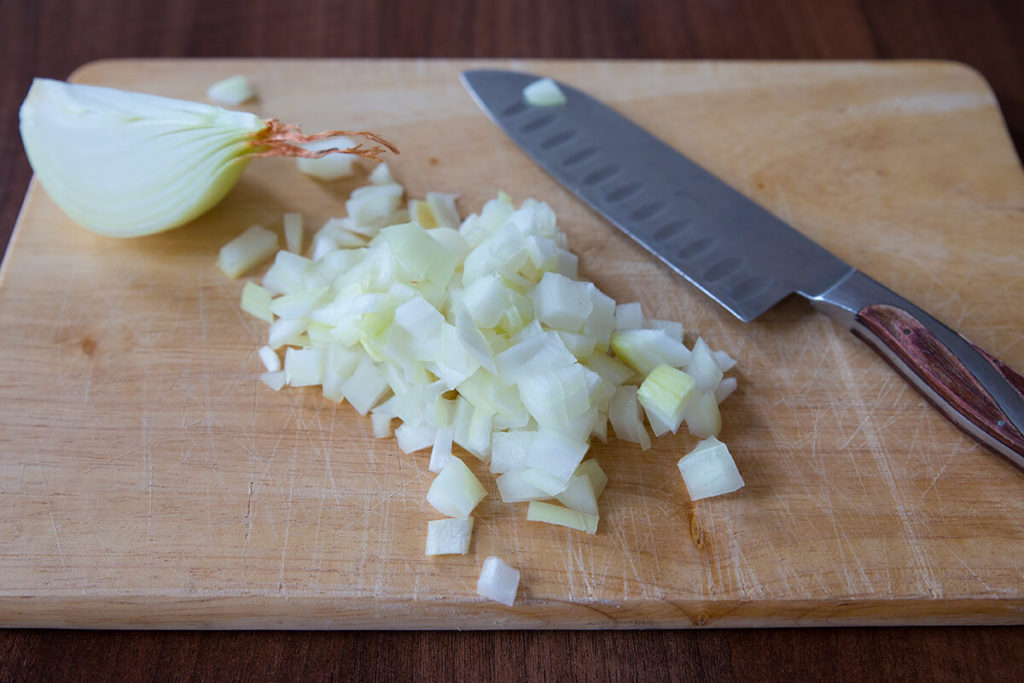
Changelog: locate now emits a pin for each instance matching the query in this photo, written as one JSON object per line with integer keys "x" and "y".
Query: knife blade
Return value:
{"x": 741, "y": 255}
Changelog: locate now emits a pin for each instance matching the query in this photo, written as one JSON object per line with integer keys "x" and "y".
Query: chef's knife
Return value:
{"x": 741, "y": 255}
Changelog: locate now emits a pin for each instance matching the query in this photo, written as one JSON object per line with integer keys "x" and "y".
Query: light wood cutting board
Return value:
{"x": 147, "y": 478}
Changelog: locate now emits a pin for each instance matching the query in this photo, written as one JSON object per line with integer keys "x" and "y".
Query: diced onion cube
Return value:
{"x": 629, "y": 316}
{"x": 671, "y": 327}
{"x": 455, "y": 491}
{"x": 283, "y": 332}
{"x": 544, "y": 93}
{"x": 271, "y": 361}
{"x": 598, "y": 479}
{"x": 725, "y": 388}
{"x": 256, "y": 301}
{"x": 579, "y": 495}
{"x": 293, "y": 232}
{"x": 331, "y": 166}
{"x": 381, "y": 423}
{"x": 627, "y": 421}
{"x": 555, "y": 454}
{"x": 231, "y": 91}
{"x": 725, "y": 361}
{"x": 415, "y": 437}
{"x": 709, "y": 470}
{"x": 365, "y": 387}
{"x": 274, "y": 380}
{"x": 645, "y": 349}
{"x": 510, "y": 450}
{"x": 703, "y": 418}
{"x": 381, "y": 175}
{"x": 514, "y": 488}
{"x": 498, "y": 581}
{"x": 665, "y": 393}
{"x": 441, "y": 449}
{"x": 252, "y": 247}
{"x": 442, "y": 205}
{"x": 539, "y": 511}
{"x": 304, "y": 367}
{"x": 703, "y": 367}
{"x": 449, "y": 536}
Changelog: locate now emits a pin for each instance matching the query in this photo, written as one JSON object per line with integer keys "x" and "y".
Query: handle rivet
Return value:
{"x": 1000, "y": 423}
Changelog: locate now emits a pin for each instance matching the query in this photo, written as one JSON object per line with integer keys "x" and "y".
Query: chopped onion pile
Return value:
{"x": 478, "y": 333}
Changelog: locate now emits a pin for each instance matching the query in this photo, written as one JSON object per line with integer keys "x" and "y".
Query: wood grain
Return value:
{"x": 37, "y": 40}
{"x": 154, "y": 481}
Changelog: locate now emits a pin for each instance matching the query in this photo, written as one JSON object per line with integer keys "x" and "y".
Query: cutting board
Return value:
{"x": 148, "y": 479}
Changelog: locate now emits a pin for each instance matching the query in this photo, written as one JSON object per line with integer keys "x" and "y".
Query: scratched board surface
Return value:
{"x": 147, "y": 478}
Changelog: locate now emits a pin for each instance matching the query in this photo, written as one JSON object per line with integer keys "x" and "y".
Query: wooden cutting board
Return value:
{"x": 147, "y": 478}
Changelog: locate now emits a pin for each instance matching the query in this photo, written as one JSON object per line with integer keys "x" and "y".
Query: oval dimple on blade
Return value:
{"x": 697, "y": 247}
{"x": 557, "y": 140}
{"x": 724, "y": 268}
{"x": 671, "y": 230}
{"x": 579, "y": 156}
{"x": 623, "y": 192}
{"x": 751, "y": 287}
{"x": 515, "y": 108}
{"x": 537, "y": 123}
{"x": 601, "y": 174}
{"x": 648, "y": 210}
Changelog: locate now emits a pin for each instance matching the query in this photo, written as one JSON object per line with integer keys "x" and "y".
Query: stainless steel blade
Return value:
{"x": 737, "y": 252}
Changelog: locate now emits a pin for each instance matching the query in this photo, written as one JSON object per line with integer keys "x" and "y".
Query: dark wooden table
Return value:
{"x": 52, "y": 37}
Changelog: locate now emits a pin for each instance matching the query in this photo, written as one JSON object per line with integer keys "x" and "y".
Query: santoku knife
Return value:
{"x": 743, "y": 256}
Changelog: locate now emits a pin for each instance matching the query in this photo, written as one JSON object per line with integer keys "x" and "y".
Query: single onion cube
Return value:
{"x": 274, "y": 380}
{"x": 293, "y": 232}
{"x": 579, "y": 495}
{"x": 332, "y": 166}
{"x": 665, "y": 393}
{"x": 539, "y": 511}
{"x": 441, "y": 449}
{"x": 449, "y": 536}
{"x": 304, "y": 367}
{"x": 703, "y": 418}
{"x": 442, "y": 205}
{"x": 381, "y": 175}
{"x": 629, "y": 316}
{"x": 709, "y": 470}
{"x": 231, "y": 91}
{"x": 247, "y": 250}
{"x": 725, "y": 388}
{"x": 498, "y": 581}
{"x": 381, "y": 423}
{"x": 544, "y": 93}
{"x": 456, "y": 490}
{"x": 645, "y": 349}
{"x": 256, "y": 301}
{"x": 704, "y": 367}
{"x": 271, "y": 361}
{"x": 593, "y": 471}
{"x": 513, "y": 487}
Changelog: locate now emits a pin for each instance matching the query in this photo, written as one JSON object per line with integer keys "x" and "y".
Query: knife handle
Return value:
{"x": 980, "y": 394}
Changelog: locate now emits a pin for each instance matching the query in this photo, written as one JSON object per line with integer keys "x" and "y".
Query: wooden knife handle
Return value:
{"x": 976, "y": 391}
